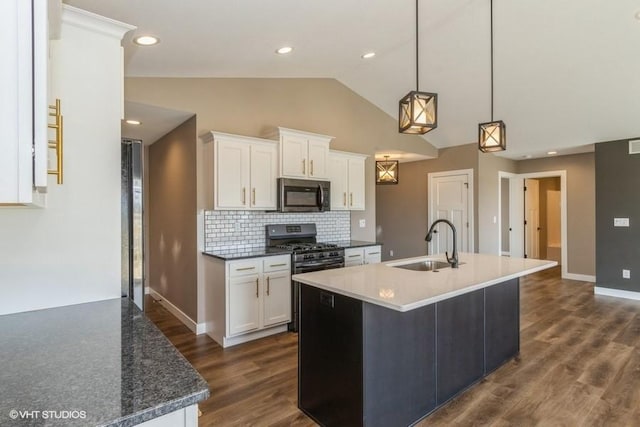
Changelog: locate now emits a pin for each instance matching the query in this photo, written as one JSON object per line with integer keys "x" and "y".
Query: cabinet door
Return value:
{"x": 264, "y": 175}
{"x": 318, "y": 159}
{"x": 372, "y": 255}
{"x": 353, "y": 256}
{"x": 244, "y": 304}
{"x": 277, "y": 298}
{"x": 337, "y": 168}
{"x": 293, "y": 155}
{"x": 232, "y": 174}
{"x": 356, "y": 184}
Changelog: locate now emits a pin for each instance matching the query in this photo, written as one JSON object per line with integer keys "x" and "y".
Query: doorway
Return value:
{"x": 534, "y": 216}
{"x": 451, "y": 198}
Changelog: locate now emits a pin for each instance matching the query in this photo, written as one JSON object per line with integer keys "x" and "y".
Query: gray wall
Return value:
{"x": 504, "y": 211}
{"x": 581, "y": 206}
{"x": 401, "y": 210}
{"x": 172, "y": 217}
{"x": 617, "y": 192}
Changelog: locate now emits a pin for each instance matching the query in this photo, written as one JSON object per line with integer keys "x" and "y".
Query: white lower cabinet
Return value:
{"x": 362, "y": 255}
{"x": 185, "y": 417}
{"x": 247, "y": 299}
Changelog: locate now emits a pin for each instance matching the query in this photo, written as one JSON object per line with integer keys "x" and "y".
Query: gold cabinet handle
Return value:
{"x": 311, "y": 167}
{"x": 304, "y": 171}
{"x": 244, "y": 268}
{"x": 257, "y": 294}
{"x": 268, "y": 285}
{"x": 354, "y": 256}
{"x": 278, "y": 265}
{"x": 350, "y": 199}
{"x": 254, "y": 196}
{"x": 244, "y": 196}
{"x": 344, "y": 199}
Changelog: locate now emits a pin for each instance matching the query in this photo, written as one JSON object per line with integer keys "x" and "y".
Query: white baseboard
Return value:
{"x": 505, "y": 253}
{"x": 196, "y": 328}
{"x": 231, "y": 341}
{"x": 147, "y": 290}
{"x": 580, "y": 277}
{"x": 619, "y": 293}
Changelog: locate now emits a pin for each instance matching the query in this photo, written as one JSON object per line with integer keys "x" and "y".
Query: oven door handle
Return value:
{"x": 308, "y": 268}
{"x": 320, "y": 198}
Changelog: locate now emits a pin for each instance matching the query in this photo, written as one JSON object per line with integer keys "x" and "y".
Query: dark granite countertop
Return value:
{"x": 104, "y": 358}
{"x": 355, "y": 243}
{"x": 232, "y": 254}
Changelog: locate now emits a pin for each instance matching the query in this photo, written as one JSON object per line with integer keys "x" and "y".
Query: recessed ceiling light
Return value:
{"x": 551, "y": 153}
{"x": 146, "y": 40}
{"x": 133, "y": 122}
{"x": 284, "y": 50}
{"x": 527, "y": 156}
{"x": 637, "y": 15}
{"x": 368, "y": 55}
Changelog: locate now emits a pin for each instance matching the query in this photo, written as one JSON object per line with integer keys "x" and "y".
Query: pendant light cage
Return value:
{"x": 418, "y": 111}
{"x": 387, "y": 171}
{"x": 492, "y": 136}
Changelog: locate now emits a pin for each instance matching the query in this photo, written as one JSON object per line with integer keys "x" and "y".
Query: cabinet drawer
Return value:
{"x": 244, "y": 267}
{"x": 353, "y": 254}
{"x": 276, "y": 263}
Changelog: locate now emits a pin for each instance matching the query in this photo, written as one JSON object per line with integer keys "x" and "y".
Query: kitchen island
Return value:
{"x": 95, "y": 364}
{"x": 381, "y": 345}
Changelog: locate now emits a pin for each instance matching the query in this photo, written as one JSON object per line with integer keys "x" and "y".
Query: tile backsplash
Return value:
{"x": 241, "y": 231}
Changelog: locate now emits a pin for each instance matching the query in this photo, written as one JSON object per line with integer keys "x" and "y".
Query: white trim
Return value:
{"x": 470, "y": 201}
{"x": 197, "y": 328}
{"x": 501, "y": 175}
{"x": 580, "y": 277}
{"x": 563, "y": 215}
{"x": 90, "y": 21}
{"x": 231, "y": 341}
{"x": 618, "y": 293}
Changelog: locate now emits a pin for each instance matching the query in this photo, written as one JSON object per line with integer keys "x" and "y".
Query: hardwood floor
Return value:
{"x": 579, "y": 365}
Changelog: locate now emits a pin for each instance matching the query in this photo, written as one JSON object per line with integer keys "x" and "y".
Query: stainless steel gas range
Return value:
{"x": 306, "y": 255}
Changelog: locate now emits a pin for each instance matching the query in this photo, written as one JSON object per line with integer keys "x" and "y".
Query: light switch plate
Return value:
{"x": 626, "y": 274}
{"x": 620, "y": 222}
{"x": 363, "y": 223}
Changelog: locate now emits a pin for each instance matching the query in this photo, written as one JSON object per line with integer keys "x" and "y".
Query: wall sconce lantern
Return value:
{"x": 387, "y": 171}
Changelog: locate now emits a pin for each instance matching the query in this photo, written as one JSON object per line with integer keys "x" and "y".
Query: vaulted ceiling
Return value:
{"x": 567, "y": 72}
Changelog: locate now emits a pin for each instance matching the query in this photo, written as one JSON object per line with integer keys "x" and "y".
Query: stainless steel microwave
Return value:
{"x": 303, "y": 195}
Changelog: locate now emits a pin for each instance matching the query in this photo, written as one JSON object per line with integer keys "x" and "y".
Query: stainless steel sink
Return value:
{"x": 424, "y": 265}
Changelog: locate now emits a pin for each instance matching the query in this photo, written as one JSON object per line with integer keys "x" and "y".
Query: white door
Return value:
{"x": 449, "y": 199}
{"x": 294, "y": 156}
{"x": 337, "y": 169}
{"x": 532, "y": 218}
{"x": 356, "y": 184}
{"x": 318, "y": 156}
{"x": 244, "y": 304}
{"x": 232, "y": 174}
{"x": 264, "y": 162}
{"x": 516, "y": 217}
{"x": 277, "y": 298}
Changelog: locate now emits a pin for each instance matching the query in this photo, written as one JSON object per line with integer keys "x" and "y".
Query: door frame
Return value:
{"x": 562, "y": 174}
{"x": 470, "y": 197}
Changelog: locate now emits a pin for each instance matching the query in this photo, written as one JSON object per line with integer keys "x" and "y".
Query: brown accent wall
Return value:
{"x": 252, "y": 106}
{"x": 402, "y": 209}
{"x": 172, "y": 208}
{"x": 581, "y": 206}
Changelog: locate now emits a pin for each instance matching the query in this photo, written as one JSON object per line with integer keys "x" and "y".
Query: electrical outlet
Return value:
{"x": 620, "y": 222}
{"x": 363, "y": 223}
{"x": 626, "y": 274}
{"x": 391, "y": 252}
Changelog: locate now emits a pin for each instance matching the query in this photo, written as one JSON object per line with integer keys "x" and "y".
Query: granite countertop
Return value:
{"x": 104, "y": 358}
{"x": 232, "y": 254}
{"x": 404, "y": 290}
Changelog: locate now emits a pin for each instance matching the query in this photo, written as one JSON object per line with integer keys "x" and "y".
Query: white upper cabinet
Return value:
{"x": 245, "y": 172}
{"x": 347, "y": 176}
{"x": 23, "y": 104}
{"x": 303, "y": 154}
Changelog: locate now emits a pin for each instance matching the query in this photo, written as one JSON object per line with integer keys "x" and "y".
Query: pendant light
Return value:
{"x": 418, "y": 110}
{"x": 387, "y": 171}
{"x": 492, "y": 136}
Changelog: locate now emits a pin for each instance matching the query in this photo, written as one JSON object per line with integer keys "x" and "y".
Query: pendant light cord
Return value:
{"x": 417, "y": 67}
{"x": 491, "y": 26}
